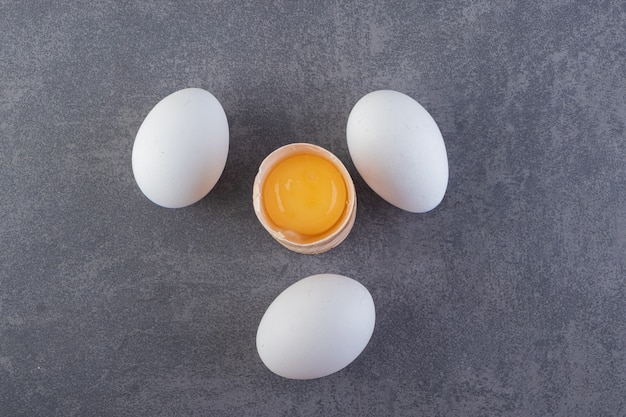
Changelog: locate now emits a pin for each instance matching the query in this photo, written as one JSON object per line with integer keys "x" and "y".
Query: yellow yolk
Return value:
{"x": 304, "y": 193}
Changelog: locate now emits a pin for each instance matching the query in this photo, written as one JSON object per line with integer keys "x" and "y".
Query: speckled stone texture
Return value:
{"x": 509, "y": 299}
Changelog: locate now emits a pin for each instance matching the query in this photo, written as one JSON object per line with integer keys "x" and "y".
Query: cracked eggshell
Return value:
{"x": 181, "y": 148}
{"x": 325, "y": 241}
{"x": 316, "y": 327}
{"x": 398, "y": 149}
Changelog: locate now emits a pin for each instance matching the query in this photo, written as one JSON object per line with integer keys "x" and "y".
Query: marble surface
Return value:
{"x": 509, "y": 299}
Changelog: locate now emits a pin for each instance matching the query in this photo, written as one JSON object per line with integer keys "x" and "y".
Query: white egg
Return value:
{"x": 316, "y": 327}
{"x": 398, "y": 149}
{"x": 181, "y": 148}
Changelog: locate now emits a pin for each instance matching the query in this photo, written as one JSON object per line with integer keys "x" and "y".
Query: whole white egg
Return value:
{"x": 398, "y": 149}
{"x": 316, "y": 327}
{"x": 181, "y": 148}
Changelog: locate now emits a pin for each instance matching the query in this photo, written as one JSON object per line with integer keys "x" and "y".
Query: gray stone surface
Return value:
{"x": 509, "y": 299}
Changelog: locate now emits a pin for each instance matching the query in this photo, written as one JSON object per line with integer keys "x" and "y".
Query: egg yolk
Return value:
{"x": 304, "y": 193}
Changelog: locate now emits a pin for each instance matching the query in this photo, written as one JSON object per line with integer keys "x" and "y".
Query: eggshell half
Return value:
{"x": 181, "y": 148}
{"x": 316, "y": 327}
{"x": 398, "y": 149}
{"x": 323, "y": 242}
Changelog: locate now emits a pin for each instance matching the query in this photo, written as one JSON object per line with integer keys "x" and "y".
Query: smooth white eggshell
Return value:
{"x": 181, "y": 148}
{"x": 316, "y": 327}
{"x": 398, "y": 149}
